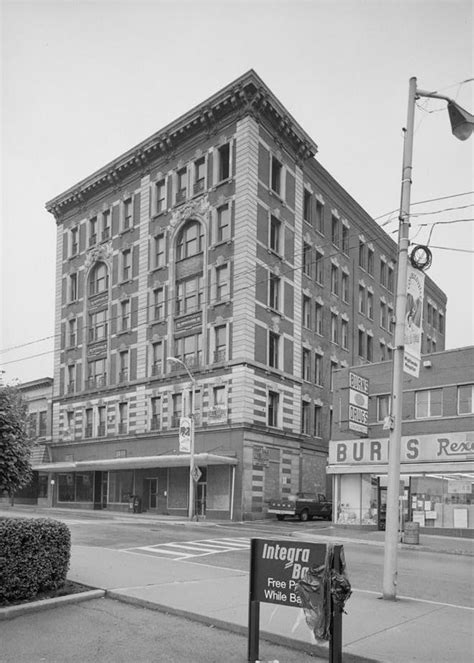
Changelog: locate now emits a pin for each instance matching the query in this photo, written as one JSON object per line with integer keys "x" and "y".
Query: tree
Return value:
{"x": 15, "y": 466}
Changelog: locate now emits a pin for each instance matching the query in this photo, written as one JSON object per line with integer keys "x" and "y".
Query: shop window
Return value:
{"x": 120, "y": 486}
{"x": 465, "y": 399}
{"x": 428, "y": 403}
{"x": 383, "y": 407}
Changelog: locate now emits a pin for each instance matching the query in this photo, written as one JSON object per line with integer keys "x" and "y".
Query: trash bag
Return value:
{"x": 321, "y": 589}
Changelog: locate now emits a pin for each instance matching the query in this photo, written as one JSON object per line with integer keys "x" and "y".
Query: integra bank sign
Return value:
{"x": 414, "y": 448}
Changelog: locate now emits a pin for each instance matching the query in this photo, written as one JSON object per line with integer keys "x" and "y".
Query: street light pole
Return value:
{"x": 175, "y": 360}
{"x": 462, "y": 124}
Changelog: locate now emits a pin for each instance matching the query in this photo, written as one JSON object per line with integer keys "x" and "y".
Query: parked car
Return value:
{"x": 304, "y": 505}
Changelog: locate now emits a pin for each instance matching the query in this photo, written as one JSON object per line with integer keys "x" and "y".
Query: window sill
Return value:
{"x": 276, "y": 195}
{"x": 124, "y": 282}
{"x": 157, "y": 269}
{"x": 221, "y": 183}
{"x": 274, "y": 253}
{"x": 157, "y": 215}
{"x": 121, "y": 332}
{"x": 126, "y": 230}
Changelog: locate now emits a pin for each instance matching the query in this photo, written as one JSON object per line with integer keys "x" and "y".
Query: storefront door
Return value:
{"x": 100, "y": 490}
{"x": 201, "y": 493}
{"x": 152, "y": 493}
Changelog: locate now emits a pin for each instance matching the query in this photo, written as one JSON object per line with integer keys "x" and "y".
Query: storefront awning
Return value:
{"x": 136, "y": 463}
{"x": 405, "y": 468}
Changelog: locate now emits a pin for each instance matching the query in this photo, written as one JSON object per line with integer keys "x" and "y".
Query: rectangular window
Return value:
{"x": 159, "y": 251}
{"x": 370, "y": 305}
{"x": 220, "y": 343}
{"x": 222, "y": 282}
{"x": 306, "y": 312}
{"x": 335, "y": 230}
{"x": 383, "y": 273}
{"x": 199, "y": 175}
{"x": 334, "y": 329}
{"x": 306, "y": 365}
{"x": 441, "y": 322}
{"x": 331, "y": 378}
{"x": 155, "y": 407}
{"x": 383, "y": 351}
{"x": 71, "y": 378}
{"x": 345, "y": 334}
{"x": 275, "y": 229}
{"x": 390, "y": 283}
{"x": 126, "y": 264}
{"x": 125, "y": 315}
{"x": 189, "y": 349}
{"x": 307, "y": 259}
{"x": 428, "y": 403}
{"x": 274, "y": 292}
{"x": 273, "y": 349}
{"x": 97, "y": 376}
{"x": 97, "y": 326}
{"x": 93, "y": 231}
{"x": 362, "y": 254}
{"x": 318, "y": 369}
{"x": 318, "y": 323}
{"x": 307, "y": 199}
{"x": 272, "y": 408}
{"x": 383, "y": 407}
{"x": 157, "y": 358}
{"x": 361, "y": 348}
{"x": 123, "y": 366}
{"x": 317, "y": 421}
{"x": 390, "y": 320}
{"x": 223, "y": 158}
{"x": 106, "y": 231}
{"x": 305, "y": 420}
{"x": 383, "y": 315}
{"x": 362, "y": 308}
{"x": 127, "y": 212}
{"x": 70, "y": 423}
{"x": 32, "y": 424}
{"x": 181, "y": 184}
{"x": 43, "y": 423}
{"x": 465, "y": 399}
{"x": 159, "y": 303}
{"x": 370, "y": 348}
{"x": 334, "y": 280}
{"x": 345, "y": 238}
{"x": 74, "y": 237}
{"x": 370, "y": 261}
{"x": 72, "y": 287}
{"x": 319, "y": 262}
{"x": 72, "y": 333}
{"x": 89, "y": 422}
{"x": 345, "y": 287}
{"x": 177, "y": 403}
{"x": 189, "y": 294}
{"x": 123, "y": 418}
{"x": 101, "y": 421}
{"x": 320, "y": 217}
{"x": 276, "y": 176}
{"x": 160, "y": 194}
{"x": 223, "y": 223}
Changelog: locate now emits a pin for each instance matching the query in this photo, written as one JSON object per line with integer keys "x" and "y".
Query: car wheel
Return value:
{"x": 304, "y": 515}
{"x": 280, "y": 516}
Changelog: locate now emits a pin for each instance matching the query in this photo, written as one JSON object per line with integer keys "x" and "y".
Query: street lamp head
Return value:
{"x": 462, "y": 122}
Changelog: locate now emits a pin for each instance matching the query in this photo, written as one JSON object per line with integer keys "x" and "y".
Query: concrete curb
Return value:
{"x": 10, "y": 612}
{"x": 312, "y": 649}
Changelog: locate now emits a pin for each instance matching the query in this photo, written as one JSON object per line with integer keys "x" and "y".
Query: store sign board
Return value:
{"x": 185, "y": 435}
{"x": 414, "y": 448}
{"x": 358, "y": 403}
{"x": 460, "y": 486}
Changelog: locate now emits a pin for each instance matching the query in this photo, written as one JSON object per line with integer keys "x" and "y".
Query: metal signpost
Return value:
{"x": 276, "y": 567}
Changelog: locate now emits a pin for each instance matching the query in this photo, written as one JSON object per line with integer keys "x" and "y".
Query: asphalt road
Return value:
{"x": 422, "y": 575}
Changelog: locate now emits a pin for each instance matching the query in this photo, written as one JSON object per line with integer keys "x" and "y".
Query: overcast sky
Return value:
{"x": 82, "y": 82}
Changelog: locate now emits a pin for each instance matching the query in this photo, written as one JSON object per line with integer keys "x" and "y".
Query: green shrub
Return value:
{"x": 34, "y": 557}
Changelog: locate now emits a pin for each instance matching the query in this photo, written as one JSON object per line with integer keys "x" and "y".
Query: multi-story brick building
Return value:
{"x": 437, "y": 448}
{"x": 222, "y": 241}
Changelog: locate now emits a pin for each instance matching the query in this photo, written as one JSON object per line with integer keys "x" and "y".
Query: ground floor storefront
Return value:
{"x": 436, "y": 481}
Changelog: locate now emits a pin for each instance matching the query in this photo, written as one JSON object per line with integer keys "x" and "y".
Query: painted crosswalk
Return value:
{"x": 177, "y": 550}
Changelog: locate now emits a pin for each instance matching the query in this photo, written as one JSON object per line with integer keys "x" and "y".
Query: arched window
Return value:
{"x": 190, "y": 240}
{"x": 98, "y": 278}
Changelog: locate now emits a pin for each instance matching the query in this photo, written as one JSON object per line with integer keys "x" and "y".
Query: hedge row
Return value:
{"x": 34, "y": 557}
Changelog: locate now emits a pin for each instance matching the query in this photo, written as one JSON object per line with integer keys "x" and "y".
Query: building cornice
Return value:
{"x": 247, "y": 95}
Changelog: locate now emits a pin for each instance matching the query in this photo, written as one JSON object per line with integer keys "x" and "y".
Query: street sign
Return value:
{"x": 358, "y": 403}
{"x": 185, "y": 435}
{"x": 196, "y": 473}
{"x": 413, "y": 321}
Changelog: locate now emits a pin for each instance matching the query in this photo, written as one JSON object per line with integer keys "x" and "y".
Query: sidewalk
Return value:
{"x": 373, "y": 630}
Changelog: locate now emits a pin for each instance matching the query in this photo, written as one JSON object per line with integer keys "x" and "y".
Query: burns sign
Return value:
{"x": 358, "y": 403}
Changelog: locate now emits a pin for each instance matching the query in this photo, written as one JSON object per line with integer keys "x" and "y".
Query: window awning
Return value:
{"x": 136, "y": 463}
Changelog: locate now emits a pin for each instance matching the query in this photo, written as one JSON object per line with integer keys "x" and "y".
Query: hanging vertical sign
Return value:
{"x": 358, "y": 403}
{"x": 413, "y": 321}
{"x": 185, "y": 435}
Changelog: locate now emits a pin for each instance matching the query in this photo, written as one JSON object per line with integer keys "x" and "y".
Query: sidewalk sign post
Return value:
{"x": 275, "y": 569}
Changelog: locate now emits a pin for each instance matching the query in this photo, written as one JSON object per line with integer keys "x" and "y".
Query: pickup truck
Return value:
{"x": 303, "y": 505}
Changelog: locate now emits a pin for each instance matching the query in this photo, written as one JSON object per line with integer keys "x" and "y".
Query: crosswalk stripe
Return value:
{"x": 187, "y": 549}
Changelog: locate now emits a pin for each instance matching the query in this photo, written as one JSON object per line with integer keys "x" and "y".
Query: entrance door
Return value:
{"x": 152, "y": 493}
{"x": 100, "y": 489}
{"x": 201, "y": 494}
